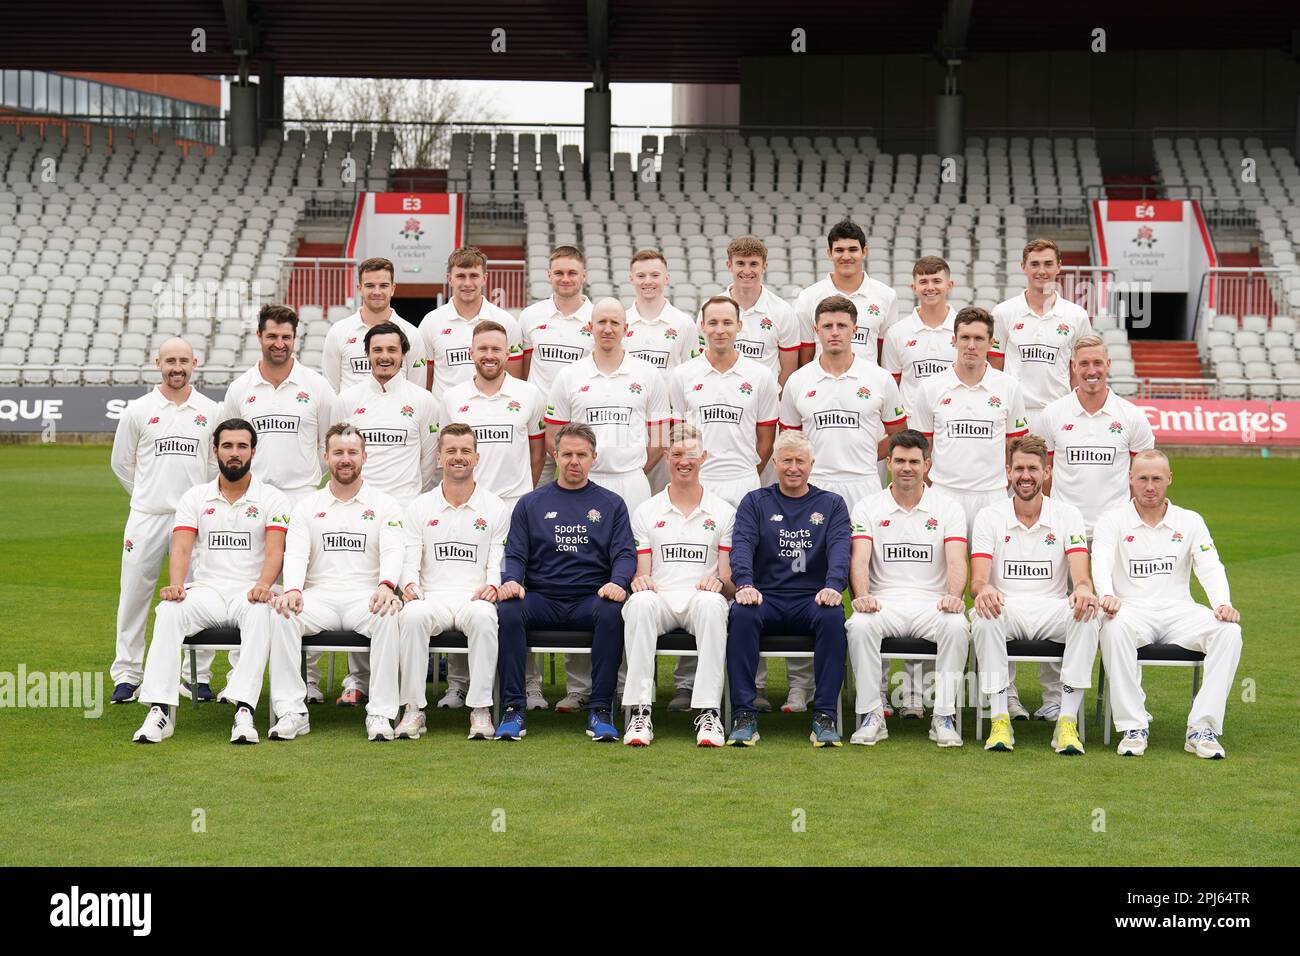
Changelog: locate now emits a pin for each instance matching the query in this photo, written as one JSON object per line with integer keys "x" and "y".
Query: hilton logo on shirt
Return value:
{"x": 494, "y": 434}
{"x": 458, "y": 357}
{"x": 567, "y": 354}
{"x": 1150, "y": 567}
{"x": 688, "y": 553}
{"x": 343, "y": 541}
{"x": 276, "y": 424}
{"x": 176, "y": 446}
{"x": 753, "y": 350}
{"x": 1038, "y": 353}
{"x": 384, "y": 436}
{"x": 835, "y": 418}
{"x": 728, "y": 414}
{"x": 360, "y": 365}
{"x": 917, "y": 553}
{"x": 455, "y": 551}
{"x": 1090, "y": 455}
{"x": 924, "y": 368}
{"x": 970, "y": 428}
{"x": 657, "y": 359}
{"x": 862, "y": 335}
{"x": 230, "y": 541}
{"x": 609, "y": 415}
{"x": 1027, "y": 570}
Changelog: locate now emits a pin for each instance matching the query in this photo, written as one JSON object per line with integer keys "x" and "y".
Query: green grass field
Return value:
{"x": 76, "y": 791}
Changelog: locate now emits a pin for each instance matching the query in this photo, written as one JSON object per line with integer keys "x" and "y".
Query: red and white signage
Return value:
{"x": 1222, "y": 422}
{"x": 1145, "y": 241}
{"x": 417, "y": 231}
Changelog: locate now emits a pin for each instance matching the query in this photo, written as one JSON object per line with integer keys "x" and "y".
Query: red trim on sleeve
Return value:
{"x": 928, "y": 434}
{"x": 278, "y": 527}
{"x": 807, "y": 345}
{"x": 897, "y": 420}
{"x": 791, "y": 428}
{"x": 390, "y": 584}
{"x": 1050, "y": 453}
{"x": 1132, "y": 454}
{"x": 978, "y": 554}
{"x": 790, "y": 348}
{"x": 516, "y": 358}
{"x": 661, "y": 421}
{"x": 723, "y": 547}
{"x": 946, "y": 540}
{"x": 553, "y": 421}
{"x": 522, "y": 354}
{"x": 184, "y": 527}
{"x": 998, "y": 354}
{"x": 1023, "y": 431}
{"x": 772, "y": 422}
{"x": 1076, "y": 551}
{"x": 643, "y": 550}
{"x": 862, "y": 537}
{"x": 537, "y": 437}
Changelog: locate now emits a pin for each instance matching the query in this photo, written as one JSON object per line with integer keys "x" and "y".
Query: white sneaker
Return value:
{"x": 412, "y": 724}
{"x": 708, "y": 730}
{"x": 872, "y": 730}
{"x": 1204, "y": 742}
{"x": 290, "y": 726}
{"x": 943, "y": 731}
{"x": 156, "y": 728}
{"x": 480, "y": 724}
{"x": 314, "y": 695}
{"x": 913, "y": 709}
{"x": 568, "y": 704}
{"x": 1132, "y": 744}
{"x": 534, "y": 699}
{"x": 243, "y": 731}
{"x": 454, "y": 698}
{"x": 640, "y": 731}
{"x": 796, "y": 702}
{"x": 681, "y": 700}
{"x": 1015, "y": 709}
{"x": 1049, "y": 711}
{"x": 378, "y": 727}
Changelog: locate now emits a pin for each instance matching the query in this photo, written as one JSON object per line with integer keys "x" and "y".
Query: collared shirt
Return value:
{"x": 767, "y": 329}
{"x": 447, "y": 339}
{"x": 343, "y": 359}
{"x": 666, "y": 341}
{"x": 683, "y": 547}
{"x": 291, "y": 421}
{"x": 618, "y": 405}
{"x": 1029, "y": 561}
{"x": 914, "y": 352}
{"x": 877, "y": 310}
{"x": 162, "y": 449}
{"x": 727, "y": 408}
{"x": 455, "y": 548}
{"x": 908, "y": 547}
{"x": 230, "y": 538}
{"x": 1152, "y": 567}
{"x": 970, "y": 425}
{"x": 1037, "y": 348}
{"x": 345, "y": 545}
{"x": 844, "y": 416}
{"x": 504, "y": 424}
{"x": 400, "y": 425}
{"x": 1091, "y": 451}
{"x": 552, "y": 340}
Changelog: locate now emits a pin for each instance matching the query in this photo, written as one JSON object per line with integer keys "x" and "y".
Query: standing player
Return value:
{"x": 162, "y": 448}
{"x": 909, "y": 578}
{"x": 344, "y": 361}
{"x": 658, "y": 332}
{"x": 683, "y": 579}
{"x": 877, "y": 303}
{"x": 789, "y": 558}
{"x": 232, "y": 530}
{"x": 342, "y": 561}
{"x": 920, "y": 344}
{"x": 455, "y": 538}
{"x": 1143, "y": 556}
{"x": 447, "y": 331}
{"x": 769, "y": 330}
{"x": 506, "y": 415}
{"x": 1021, "y": 553}
{"x": 569, "y": 562}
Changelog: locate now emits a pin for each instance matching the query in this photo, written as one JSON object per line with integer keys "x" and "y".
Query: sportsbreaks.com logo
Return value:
{"x": 77, "y": 909}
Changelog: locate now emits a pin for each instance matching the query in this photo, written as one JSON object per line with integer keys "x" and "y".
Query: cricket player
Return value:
{"x": 232, "y": 531}
{"x": 447, "y": 331}
{"x": 162, "y": 448}
{"x": 507, "y": 417}
{"x": 455, "y": 540}
{"x": 569, "y": 561}
{"x": 658, "y": 332}
{"x": 920, "y": 345}
{"x": 877, "y": 303}
{"x": 557, "y": 331}
{"x": 769, "y": 330}
{"x": 909, "y": 579}
{"x": 789, "y": 558}
{"x": 1142, "y": 558}
{"x": 1022, "y": 551}
{"x": 342, "y": 560}
{"x": 344, "y": 361}
{"x": 683, "y": 579}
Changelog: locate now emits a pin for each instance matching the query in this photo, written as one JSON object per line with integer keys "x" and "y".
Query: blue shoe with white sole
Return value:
{"x": 600, "y": 727}
{"x": 512, "y": 725}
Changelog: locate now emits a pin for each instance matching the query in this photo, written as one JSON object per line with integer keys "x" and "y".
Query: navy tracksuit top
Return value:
{"x": 791, "y": 546}
{"x": 570, "y": 542}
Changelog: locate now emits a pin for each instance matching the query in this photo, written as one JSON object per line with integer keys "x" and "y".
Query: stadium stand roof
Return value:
{"x": 681, "y": 41}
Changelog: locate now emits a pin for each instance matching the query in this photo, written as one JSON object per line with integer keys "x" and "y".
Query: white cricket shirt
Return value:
{"x": 618, "y": 406}
{"x": 504, "y": 424}
{"x": 970, "y": 425}
{"x": 345, "y": 545}
{"x": 766, "y": 330}
{"x": 453, "y": 548}
{"x": 914, "y": 352}
{"x": 907, "y": 547}
{"x": 291, "y": 420}
{"x": 230, "y": 539}
{"x": 1029, "y": 561}
{"x": 683, "y": 548}
{"x": 877, "y": 310}
{"x": 400, "y": 425}
{"x": 1152, "y": 567}
{"x": 1037, "y": 348}
{"x": 727, "y": 408}
{"x": 664, "y": 342}
{"x": 343, "y": 358}
{"x": 552, "y": 340}
{"x": 161, "y": 449}
{"x": 447, "y": 339}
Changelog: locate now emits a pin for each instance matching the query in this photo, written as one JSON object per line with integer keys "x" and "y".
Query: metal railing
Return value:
{"x": 1238, "y": 291}
{"x": 320, "y": 282}
{"x": 1094, "y": 288}
{"x": 507, "y": 283}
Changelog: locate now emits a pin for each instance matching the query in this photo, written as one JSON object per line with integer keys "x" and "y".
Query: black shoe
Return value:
{"x": 124, "y": 693}
{"x": 199, "y": 691}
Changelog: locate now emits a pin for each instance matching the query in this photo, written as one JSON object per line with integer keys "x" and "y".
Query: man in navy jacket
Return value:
{"x": 789, "y": 561}
{"x": 569, "y": 563}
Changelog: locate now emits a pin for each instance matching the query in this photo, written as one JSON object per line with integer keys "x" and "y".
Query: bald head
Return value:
{"x": 608, "y": 324}
{"x": 1152, "y": 457}
{"x": 1149, "y": 478}
{"x": 176, "y": 362}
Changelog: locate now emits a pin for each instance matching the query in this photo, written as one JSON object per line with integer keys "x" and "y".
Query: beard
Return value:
{"x": 234, "y": 472}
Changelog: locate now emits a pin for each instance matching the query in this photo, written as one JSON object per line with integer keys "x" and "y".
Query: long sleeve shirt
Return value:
{"x": 161, "y": 449}
{"x": 791, "y": 546}
{"x": 291, "y": 421}
{"x": 1152, "y": 567}
{"x": 345, "y": 545}
{"x": 400, "y": 425}
{"x": 570, "y": 542}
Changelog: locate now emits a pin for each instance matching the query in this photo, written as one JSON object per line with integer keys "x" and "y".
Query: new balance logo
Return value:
{"x": 777, "y": 518}
{"x": 549, "y": 515}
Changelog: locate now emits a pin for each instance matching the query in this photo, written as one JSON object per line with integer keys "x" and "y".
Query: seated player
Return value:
{"x": 1143, "y": 556}
{"x": 789, "y": 555}
{"x": 1021, "y": 554}
{"x": 233, "y": 530}
{"x": 909, "y": 578}
{"x": 683, "y": 579}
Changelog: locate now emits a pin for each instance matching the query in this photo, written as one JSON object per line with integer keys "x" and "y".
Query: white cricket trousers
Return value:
{"x": 324, "y": 609}
{"x": 458, "y": 664}
{"x": 146, "y": 541}
{"x": 437, "y": 612}
{"x": 908, "y": 616}
{"x": 205, "y": 607}
{"x": 1034, "y": 619}
{"x": 648, "y": 614}
{"x": 1188, "y": 625}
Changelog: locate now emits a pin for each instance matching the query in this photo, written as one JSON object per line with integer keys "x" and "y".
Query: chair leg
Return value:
{"x": 1101, "y": 692}
{"x": 1105, "y": 714}
{"x": 1196, "y": 680}
{"x": 961, "y": 704}
{"x": 552, "y": 659}
{"x": 979, "y": 705}
{"x": 1083, "y": 737}
{"x": 330, "y": 680}
{"x": 194, "y": 680}
{"x": 726, "y": 704}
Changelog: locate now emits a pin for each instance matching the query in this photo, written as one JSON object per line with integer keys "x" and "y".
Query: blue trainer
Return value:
{"x": 744, "y": 730}
{"x": 199, "y": 691}
{"x": 124, "y": 693}
{"x": 512, "y": 725}
{"x": 824, "y": 733}
{"x": 600, "y": 727}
